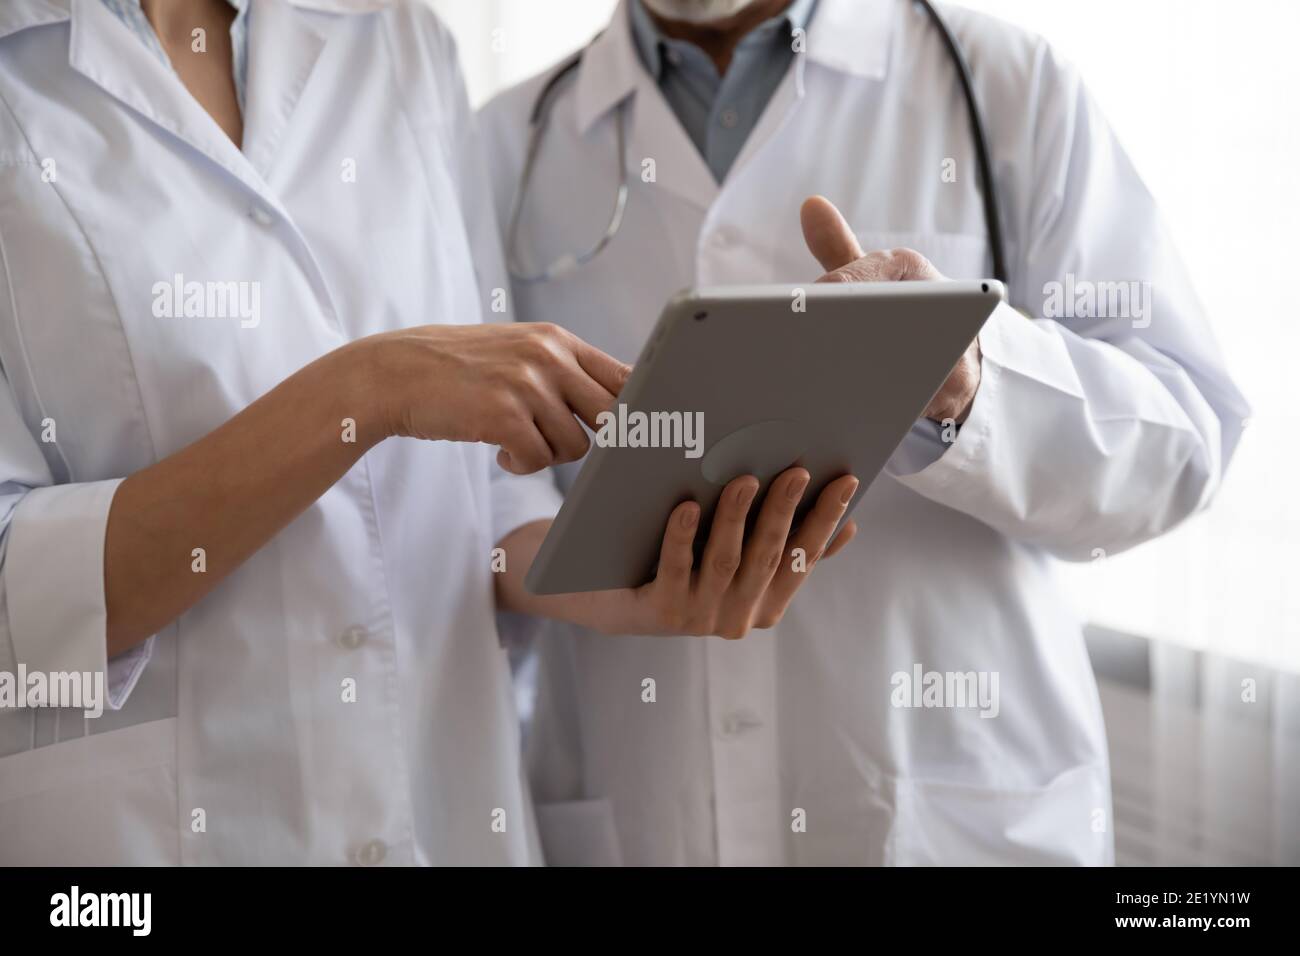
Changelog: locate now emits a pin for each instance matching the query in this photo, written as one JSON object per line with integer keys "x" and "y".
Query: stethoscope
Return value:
{"x": 541, "y": 112}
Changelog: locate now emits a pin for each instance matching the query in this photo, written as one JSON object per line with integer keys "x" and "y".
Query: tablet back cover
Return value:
{"x": 834, "y": 388}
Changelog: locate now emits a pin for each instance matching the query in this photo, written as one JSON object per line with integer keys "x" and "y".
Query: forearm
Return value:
{"x": 230, "y": 492}
{"x": 594, "y": 610}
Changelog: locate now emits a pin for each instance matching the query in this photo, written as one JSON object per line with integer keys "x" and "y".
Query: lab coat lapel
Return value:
{"x": 779, "y": 109}
{"x": 611, "y": 71}
{"x": 848, "y": 36}
{"x": 657, "y": 134}
{"x": 285, "y": 44}
{"x": 105, "y": 52}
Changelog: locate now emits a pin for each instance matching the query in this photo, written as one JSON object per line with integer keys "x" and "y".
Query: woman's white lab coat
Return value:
{"x": 1088, "y": 436}
{"x": 358, "y": 204}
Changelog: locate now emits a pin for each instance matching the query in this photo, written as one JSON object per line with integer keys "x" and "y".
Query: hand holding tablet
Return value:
{"x": 743, "y": 580}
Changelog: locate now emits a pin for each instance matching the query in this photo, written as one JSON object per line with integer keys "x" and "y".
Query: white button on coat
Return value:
{"x": 372, "y": 853}
{"x": 240, "y": 709}
{"x": 352, "y": 638}
{"x": 1085, "y": 434}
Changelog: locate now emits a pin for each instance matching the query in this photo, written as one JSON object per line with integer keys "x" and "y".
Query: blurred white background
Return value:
{"x": 1201, "y": 92}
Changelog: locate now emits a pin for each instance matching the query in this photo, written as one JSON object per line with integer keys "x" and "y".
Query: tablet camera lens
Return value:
{"x": 985, "y": 287}
{"x": 701, "y": 316}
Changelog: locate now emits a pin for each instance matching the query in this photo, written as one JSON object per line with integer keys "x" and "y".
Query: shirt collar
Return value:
{"x": 849, "y": 36}
{"x": 650, "y": 40}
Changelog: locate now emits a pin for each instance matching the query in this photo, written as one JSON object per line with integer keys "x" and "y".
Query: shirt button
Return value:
{"x": 352, "y": 638}
{"x": 372, "y": 854}
{"x": 729, "y": 119}
{"x": 260, "y": 215}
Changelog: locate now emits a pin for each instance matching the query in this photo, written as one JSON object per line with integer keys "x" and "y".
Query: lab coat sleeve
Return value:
{"x": 516, "y": 500}
{"x": 1093, "y": 432}
{"x": 52, "y": 566}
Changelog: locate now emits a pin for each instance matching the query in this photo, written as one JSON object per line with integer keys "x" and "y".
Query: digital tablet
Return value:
{"x": 750, "y": 381}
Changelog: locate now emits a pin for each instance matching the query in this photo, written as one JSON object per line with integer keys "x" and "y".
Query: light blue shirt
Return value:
{"x": 720, "y": 111}
{"x": 131, "y": 14}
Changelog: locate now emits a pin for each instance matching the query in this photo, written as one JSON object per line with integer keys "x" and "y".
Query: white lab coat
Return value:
{"x": 1087, "y": 436}
{"x": 232, "y": 742}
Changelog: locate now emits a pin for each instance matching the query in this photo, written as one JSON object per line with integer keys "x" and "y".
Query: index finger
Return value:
{"x": 586, "y": 397}
{"x": 608, "y": 372}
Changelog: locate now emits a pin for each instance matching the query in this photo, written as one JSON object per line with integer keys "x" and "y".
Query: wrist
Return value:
{"x": 356, "y": 373}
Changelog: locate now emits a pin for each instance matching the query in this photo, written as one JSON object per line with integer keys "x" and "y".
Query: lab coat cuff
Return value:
{"x": 970, "y": 449}
{"x": 54, "y": 586}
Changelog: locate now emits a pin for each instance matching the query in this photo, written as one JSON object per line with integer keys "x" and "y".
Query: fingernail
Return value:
{"x": 689, "y": 518}
{"x": 849, "y": 492}
{"x": 796, "y": 489}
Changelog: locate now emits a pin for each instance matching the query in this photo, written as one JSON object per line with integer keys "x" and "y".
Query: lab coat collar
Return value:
{"x": 608, "y": 74}
{"x": 284, "y": 46}
{"x": 106, "y": 52}
{"x": 851, "y": 36}
{"x": 16, "y": 15}
{"x": 287, "y": 41}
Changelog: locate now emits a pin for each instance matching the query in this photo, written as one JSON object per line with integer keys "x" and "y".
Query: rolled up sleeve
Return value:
{"x": 52, "y": 567}
{"x": 520, "y": 500}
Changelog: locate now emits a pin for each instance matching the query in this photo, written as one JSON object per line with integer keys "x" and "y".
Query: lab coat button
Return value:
{"x": 352, "y": 638}
{"x": 739, "y": 722}
{"x": 372, "y": 854}
{"x": 260, "y": 215}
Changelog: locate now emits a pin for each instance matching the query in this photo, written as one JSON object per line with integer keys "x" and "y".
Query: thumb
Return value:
{"x": 829, "y": 237}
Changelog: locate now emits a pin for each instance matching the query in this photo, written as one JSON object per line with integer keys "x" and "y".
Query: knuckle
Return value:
{"x": 545, "y": 342}
{"x": 908, "y": 262}
{"x": 580, "y": 446}
{"x": 726, "y": 563}
{"x": 530, "y": 384}
{"x": 677, "y": 565}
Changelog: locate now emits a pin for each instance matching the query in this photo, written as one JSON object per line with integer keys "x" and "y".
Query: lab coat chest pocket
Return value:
{"x": 101, "y": 800}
